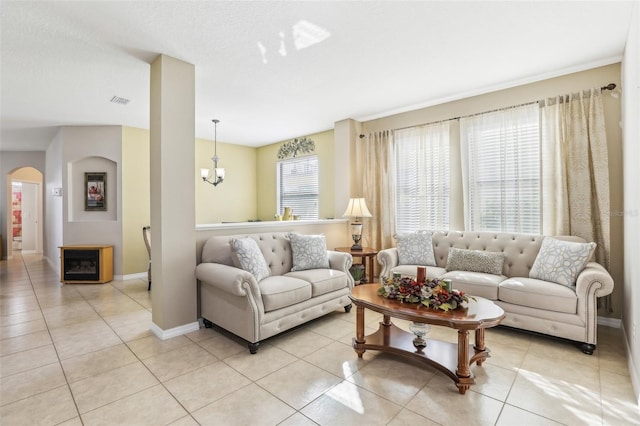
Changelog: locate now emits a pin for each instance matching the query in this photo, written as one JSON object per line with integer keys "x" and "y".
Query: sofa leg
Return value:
{"x": 207, "y": 323}
{"x": 588, "y": 348}
{"x": 347, "y": 308}
{"x": 253, "y": 347}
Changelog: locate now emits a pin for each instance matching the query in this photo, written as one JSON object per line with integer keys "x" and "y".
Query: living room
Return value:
{"x": 129, "y": 148}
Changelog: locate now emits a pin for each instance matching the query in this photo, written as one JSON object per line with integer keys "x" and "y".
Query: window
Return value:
{"x": 298, "y": 186}
{"x": 422, "y": 177}
{"x": 501, "y": 161}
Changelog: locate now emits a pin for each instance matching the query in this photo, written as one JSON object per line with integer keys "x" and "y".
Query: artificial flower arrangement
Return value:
{"x": 435, "y": 294}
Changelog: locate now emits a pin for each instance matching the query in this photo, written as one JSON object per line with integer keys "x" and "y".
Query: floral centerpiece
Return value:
{"x": 435, "y": 294}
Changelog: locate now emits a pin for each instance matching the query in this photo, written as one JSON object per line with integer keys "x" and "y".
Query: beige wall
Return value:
{"x": 596, "y": 77}
{"x": 235, "y": 199}
{"x": 135, "y": 198}
{"x": 266, "y": 172}
{"x": 28, "y": 174}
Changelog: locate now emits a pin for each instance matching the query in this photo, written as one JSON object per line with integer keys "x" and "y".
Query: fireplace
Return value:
{"x": 81, "y": 265}
{"x": 86, "y": 264}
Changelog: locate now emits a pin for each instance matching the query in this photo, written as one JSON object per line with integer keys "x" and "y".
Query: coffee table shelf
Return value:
{"x": 453, "y": 359}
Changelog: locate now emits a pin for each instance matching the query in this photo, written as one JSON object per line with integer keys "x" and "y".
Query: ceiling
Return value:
{"x": 274, "y": 70}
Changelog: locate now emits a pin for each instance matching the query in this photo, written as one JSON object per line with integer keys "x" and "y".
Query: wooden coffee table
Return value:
{"x": 452, "y": 359}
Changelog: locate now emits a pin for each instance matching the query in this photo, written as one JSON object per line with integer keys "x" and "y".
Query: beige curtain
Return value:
{"x": 379, "y": 183}
{"x": 575, "y": 170}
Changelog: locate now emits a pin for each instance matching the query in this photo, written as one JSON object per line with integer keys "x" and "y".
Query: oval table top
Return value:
{"x": 478, "y": 313}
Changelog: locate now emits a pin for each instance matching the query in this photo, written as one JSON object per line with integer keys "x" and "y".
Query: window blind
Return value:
{"x": 422, "y": 177}
{"x": 502, "y": 185}
{"x": 298, "y": 186}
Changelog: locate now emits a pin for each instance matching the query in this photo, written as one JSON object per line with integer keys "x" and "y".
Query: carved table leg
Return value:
{"x": 359, "y": 329}
{"x": 464, "y": 374}
{"x": 386, "y": 320}
{"x": 479, "y": 346}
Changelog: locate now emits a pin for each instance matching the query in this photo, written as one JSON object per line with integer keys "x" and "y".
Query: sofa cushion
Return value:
{"x": 322, "y": 280}
{"x": 538, "y": 294}
{"x": 415, "y": 249}
{"x": 281, "y": 291}
{"x": 309, "y": 252}
{"x": 247, "y": 255}
{"x": 476, "y": 283}
{"x": 561, "y": 261}
{"x": 475, "y": 261}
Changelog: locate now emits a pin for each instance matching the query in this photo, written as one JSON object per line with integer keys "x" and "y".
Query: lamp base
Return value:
{"x": 356, "y": 242}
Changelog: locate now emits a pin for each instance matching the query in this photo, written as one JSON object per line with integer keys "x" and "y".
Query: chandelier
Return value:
{"x": 217, "y": 176}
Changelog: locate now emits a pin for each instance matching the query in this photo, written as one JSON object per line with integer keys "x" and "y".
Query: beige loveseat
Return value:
{"x": 566, "y": 311}
{"x": 256, "y": 309}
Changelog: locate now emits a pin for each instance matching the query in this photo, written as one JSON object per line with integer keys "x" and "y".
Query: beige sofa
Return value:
{"x": 532, "y": 304}
{"x": 232, "y": 298}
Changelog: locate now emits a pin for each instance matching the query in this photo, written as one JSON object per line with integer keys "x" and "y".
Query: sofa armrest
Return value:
{"x": 387, "y": 258}
{"x": 341, "y": 261}
{"x": 594, "y": 281}
{"x": 235, "y": 281}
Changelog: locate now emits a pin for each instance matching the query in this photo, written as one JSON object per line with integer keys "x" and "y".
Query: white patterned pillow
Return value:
{"x": 247, "y": 255}
{"x": 415, "y": 249}
{"x": 561, "y": 261}
{"x": 488, "y": 262}
{"x": 309, "y": 252}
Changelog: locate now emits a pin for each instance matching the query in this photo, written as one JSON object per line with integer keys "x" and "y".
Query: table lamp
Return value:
{"x": 357, "y": 208}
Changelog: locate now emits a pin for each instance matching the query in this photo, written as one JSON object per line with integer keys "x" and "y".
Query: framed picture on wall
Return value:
{"x": 95, "y": 191}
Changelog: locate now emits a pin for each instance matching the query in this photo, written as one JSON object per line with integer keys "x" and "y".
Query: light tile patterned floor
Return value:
{"x": 83, "y": 354}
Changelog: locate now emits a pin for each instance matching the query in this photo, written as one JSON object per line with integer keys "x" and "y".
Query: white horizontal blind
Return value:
{"x": 298, "y": 186}
{"x": 422, "y": 177}
{"x": 502, "y": 185}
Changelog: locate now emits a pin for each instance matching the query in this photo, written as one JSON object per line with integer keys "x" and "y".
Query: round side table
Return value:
{"x": 367, "y": 256}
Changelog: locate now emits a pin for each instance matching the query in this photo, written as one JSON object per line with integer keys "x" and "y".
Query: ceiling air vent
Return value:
{"x": 119, "y": 100}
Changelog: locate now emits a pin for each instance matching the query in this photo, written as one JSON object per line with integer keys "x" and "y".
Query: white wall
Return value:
{"x": 92, "y": 149}
{"x": 631, "y": 149}
{"x": 53, "y": 204}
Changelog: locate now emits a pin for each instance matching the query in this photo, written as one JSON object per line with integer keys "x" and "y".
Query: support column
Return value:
{"x": 173, "y": 239}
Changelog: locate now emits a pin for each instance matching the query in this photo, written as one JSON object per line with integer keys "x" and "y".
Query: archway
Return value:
{"x": 24, "y": 227}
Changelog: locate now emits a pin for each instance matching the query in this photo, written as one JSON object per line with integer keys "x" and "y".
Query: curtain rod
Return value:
{"x": 609, "y": 86}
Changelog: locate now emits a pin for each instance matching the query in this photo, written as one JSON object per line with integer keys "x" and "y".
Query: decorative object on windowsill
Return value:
{"x": 217, "y": 177}
{"x": 356, "y": 208}
{"x": 298, "y": 145}
{"x": 287, "y": 215}
{"x": 434, "y": 294}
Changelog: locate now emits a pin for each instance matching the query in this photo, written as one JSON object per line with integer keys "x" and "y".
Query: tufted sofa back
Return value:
{"x": 275, "y": 247}
{"x": 520, "y": 250}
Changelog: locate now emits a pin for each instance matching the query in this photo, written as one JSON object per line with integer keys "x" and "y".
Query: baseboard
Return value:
{"x": 139, "y": 275}
{"x": 610, "y": 322}
{"x": 176, "y": 331}
{"x": 633, "y": 369}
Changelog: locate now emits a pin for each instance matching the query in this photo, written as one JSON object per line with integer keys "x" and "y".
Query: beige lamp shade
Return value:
{"x": 357, "y": 208}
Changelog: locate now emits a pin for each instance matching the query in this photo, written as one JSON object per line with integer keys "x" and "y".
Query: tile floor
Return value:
{"x": 83, "y": 354}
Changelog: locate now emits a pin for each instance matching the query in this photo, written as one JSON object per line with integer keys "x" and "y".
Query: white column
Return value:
{"x": 173, "y": 248}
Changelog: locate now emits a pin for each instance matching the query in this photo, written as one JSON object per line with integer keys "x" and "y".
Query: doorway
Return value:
{"x": 24, "y": 224}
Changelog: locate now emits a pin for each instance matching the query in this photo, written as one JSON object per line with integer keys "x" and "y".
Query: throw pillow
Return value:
{"x": 489, "y": 262}
{"x": 561, "y": 261}
{"x": 248, "y": 256}
{"x": 415, "y": 249}
{"x": 309, "y": 252}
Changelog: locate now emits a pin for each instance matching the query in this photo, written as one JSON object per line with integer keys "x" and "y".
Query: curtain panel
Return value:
{"x": 574, "y": 152}
{"x": 379, "y": 186}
